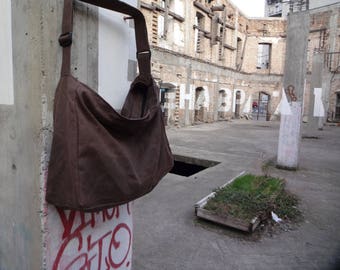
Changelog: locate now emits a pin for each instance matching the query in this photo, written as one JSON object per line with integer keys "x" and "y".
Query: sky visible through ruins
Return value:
{"x": 251, "y": 8}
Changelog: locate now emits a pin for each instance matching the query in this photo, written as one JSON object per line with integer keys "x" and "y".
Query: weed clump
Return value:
{"x": 250, "y": 196}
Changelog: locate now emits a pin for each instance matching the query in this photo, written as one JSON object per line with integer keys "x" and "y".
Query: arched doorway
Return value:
{"x": 199, "y": 104}
{"x": 165, "y": 101}
{"x": 238, "y": 104}
{"x": 260, "y": 107}
{"x": 222, "y": 104}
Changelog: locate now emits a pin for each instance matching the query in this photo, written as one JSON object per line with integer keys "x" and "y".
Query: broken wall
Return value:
{"x": 224, "y": 61}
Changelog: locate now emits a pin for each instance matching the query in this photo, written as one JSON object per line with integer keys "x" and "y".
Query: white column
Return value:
{"x": 289, "y": 138}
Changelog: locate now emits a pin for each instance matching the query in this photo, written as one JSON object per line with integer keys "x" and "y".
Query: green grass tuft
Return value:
{"x": 249, "y": 196}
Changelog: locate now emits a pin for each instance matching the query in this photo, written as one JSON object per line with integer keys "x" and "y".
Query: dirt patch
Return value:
{"x": 250, "y": 196}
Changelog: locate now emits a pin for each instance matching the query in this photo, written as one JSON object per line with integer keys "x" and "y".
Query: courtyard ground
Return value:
{"x": 168, "y": 236}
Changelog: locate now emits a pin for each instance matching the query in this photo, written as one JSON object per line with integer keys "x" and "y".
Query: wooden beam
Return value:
{"x": 154, "y": 6}
{"x": 176, "y": 16}
{"x": 202, "y": 7}
{"x": 220, "y": 21}
{"x": 147, "y": 6}
{"x": 218, "y": 8}
{"x": 229, "y": 47}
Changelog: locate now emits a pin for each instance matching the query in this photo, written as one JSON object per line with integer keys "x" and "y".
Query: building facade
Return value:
{"x": 280, "y": 8}
{"x": 324, "y": 38}
{"x": 214, "y": 63}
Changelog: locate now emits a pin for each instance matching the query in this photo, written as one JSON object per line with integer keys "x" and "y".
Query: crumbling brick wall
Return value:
{"x": 223, "y": 48}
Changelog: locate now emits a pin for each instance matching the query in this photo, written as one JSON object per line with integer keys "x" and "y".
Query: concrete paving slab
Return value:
{"x": 168, "y": 236}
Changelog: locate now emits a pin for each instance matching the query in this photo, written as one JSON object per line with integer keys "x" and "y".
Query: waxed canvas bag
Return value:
{"x": 101, "y": 158}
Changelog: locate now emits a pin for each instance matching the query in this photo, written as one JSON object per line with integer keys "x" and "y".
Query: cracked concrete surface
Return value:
{"x": 168, "y": 236}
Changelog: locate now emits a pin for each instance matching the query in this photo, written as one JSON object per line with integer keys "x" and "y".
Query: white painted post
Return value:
{"x": 289, "y": 138}
{"x": 294, "y": 79}
{"x": 316, "y": 108}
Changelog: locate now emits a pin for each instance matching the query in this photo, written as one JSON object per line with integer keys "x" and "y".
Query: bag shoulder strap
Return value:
{"x": 142, "y": 43}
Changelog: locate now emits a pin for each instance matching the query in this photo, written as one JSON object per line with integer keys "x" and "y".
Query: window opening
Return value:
{"x": 260, "y": 107}
{"x": 273, "y": 1}
{"x": 238, "y": 53}
{"x": 222, "y": 35}
{"x": 214, "y": 30}
{"x": 263, "y": 56}
{"x": 162, "y": 95}
{"x": 222, "y": 96}
{"x": 161, "y": 26}
{"x": 237, "y": 104}
{"x": 220, "y": 49}
{"x": 322, "y": 39}
{"x": 163, "y": 20}
{"x": 199, "y": 104}
{"x": 163, "y": 101}
{"x": 199, "y": 34}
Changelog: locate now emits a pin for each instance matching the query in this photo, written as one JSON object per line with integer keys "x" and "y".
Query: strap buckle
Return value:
{"x": 148, "y": 52}
{"x": 65, "y": 39}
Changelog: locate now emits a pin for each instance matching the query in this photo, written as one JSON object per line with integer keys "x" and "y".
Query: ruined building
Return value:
{"x": 214, "y": 63}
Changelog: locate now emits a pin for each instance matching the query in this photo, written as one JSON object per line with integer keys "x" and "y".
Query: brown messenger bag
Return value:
{"x": 101, "y": 158}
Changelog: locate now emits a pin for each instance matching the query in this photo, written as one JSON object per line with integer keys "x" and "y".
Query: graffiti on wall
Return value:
{"x": 225, "y": 99}
{"x": 98, "y": 240}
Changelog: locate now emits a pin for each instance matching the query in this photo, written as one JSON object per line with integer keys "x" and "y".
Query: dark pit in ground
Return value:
{"x": 187, "y": 166}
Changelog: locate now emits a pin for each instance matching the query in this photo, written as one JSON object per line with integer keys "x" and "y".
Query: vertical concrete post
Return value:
{"x": 216, "y": 99}
{"x": 35, "y": 235}
{"x": 294, "y": 76}
{"x": 187, "y": 96}
{"x": 315, "y": 117}
{"x": 20, "y": 121}
{"x": 289, "y": 138}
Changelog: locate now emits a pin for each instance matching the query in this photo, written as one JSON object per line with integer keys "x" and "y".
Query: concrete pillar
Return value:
{"x": 187, "y": 96}
{"x": 315, "y": 120}
{"x": 289, "y": 138}
{"x": 216, "y": 99}
{"x": 20, "y": 146}
{"x": 294, "y": 78}
{"x": 35, "y": 235}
